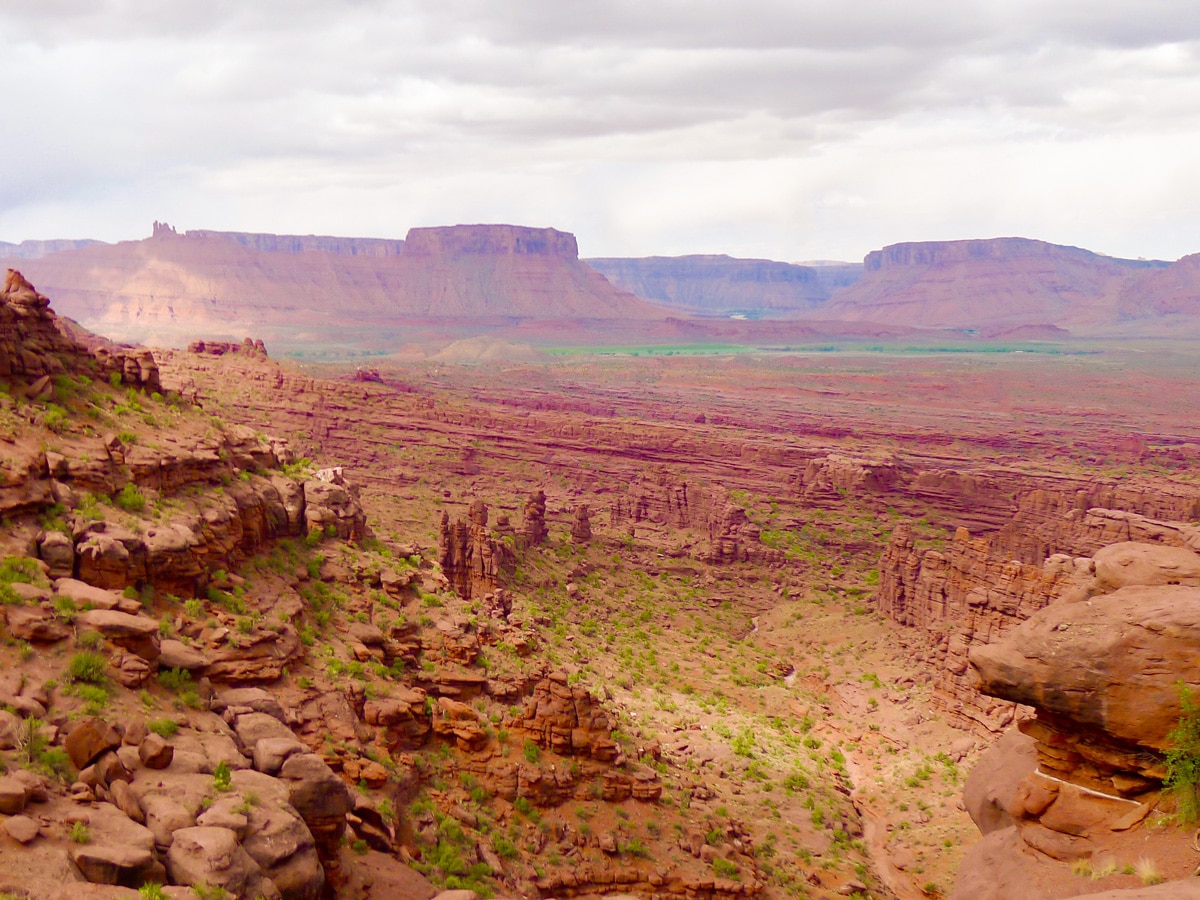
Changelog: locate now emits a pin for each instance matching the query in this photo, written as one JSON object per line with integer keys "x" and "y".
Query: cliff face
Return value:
{"x": 978, "y": 589}
{"x": 988, "y": 283}
{"x": 305, "y": 243}
{"x": 722, "y": 284}
{"x": 38, "y": 249}
{"x": 172, "y": 288}
{"x": 491, "y": 240}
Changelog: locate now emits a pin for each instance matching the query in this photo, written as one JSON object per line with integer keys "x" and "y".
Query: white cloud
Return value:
{"x": 785, "y": 129}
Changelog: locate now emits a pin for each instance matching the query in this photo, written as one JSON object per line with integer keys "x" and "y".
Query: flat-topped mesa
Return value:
{"x": 457, "y": 240}
{"x": 936, "y": 253}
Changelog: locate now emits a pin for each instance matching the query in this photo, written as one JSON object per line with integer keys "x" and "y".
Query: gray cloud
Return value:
{"x": 789, "y": 129}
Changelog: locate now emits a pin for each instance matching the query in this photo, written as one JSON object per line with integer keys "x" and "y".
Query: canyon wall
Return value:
{"x": 723, "y": 284}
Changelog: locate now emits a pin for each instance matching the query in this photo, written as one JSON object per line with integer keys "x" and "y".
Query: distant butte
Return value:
{"x": 528, "y": 285}
{"x": 173, "y": 287}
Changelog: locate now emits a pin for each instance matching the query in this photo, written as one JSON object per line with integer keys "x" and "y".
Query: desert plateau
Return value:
{"x": 612, "y": 451}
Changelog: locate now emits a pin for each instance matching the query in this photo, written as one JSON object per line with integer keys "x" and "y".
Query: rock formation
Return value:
{"x": 30, "y": 345}
{"x": 533, "y": 526}
{"x": 175, "y": 287}
{"x": 472, "y": 559}
{"x": 1013, "y": 281}
{"x": 220, "y": 348}
{"x": 1102, "y": 669}
{"x": 581, "y": 525}
{"x": 722, "y": 284}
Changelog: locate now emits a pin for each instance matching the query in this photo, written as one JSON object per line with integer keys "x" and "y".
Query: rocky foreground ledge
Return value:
{"x": 1077, "y": 787}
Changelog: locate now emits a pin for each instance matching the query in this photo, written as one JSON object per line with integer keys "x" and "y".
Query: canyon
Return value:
{"x": 712, "y": 625}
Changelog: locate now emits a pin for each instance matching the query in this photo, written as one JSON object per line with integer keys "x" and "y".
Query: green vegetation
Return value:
{"x": 87, "y": 667}
{"x": 131, "y": 499}
{"x": 1183, "y": 759}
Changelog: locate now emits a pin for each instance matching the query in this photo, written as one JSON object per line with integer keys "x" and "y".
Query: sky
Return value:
{"x": 801, "y": 130}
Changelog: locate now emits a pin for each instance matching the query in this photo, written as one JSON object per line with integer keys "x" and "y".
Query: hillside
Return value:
{"x": 723, "y": 284}
{"x": 173, "y": 287}
{"x": 990, "y": 283}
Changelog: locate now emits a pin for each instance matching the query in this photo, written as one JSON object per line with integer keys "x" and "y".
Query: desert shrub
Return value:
{"x": 175, "y": 680}
{"x": 151, "y": 891}
{"x": 80, "y": 834}
{"x": 87, "y": 667}
{"x": 89, "y": 640}
{"x": 131, "y": 499}
{"x": 723, "y": 868}
{"x": 1183, "y": 759}
{"x": 64, "y": 607}
{"x": 167, "y": 728}
{"x": 22, "y": 569}
{"x": 56, "y": 419}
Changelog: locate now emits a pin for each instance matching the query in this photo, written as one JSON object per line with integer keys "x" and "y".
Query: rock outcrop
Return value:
{"x": 31, "y": 347}
{"x": 181, "y": 286}
{"x": 472, "y": 558}
{"x": 1103, "y": 672}
{"x": 1102, "y": 668}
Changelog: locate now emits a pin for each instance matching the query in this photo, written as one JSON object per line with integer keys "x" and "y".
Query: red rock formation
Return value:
{"x": 998, "y": 282}
{"x": 472, "y": 559}
{"x": 30, "y": 345}
{"x": 533, "y": 528}
{"x": 173, "y": 287}
{"x": 1104, "y": 674}
{"x": 581, "y": 525}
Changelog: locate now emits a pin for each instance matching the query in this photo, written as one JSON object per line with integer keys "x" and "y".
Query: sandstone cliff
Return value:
{"x": 174, "y": 287}
{"x": 722, "y": 284}
{"x": 981, "y": 283}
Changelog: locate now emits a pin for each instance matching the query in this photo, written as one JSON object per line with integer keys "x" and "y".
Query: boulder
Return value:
{"x": 164, "y": 816}
{"x": 1132, "y": 563}
{"x": 313, "y": 788}
{"x": 252, "y": 698}
{"x": 178, "y": 655}
{"x": 35, "y": 624}
{"x": 21, "y": 829}
{"x": 85, "y": 595}
{"x": 90, "y": 738}
{"x": 58, "y": 552}
{"x": 137, "y": 634}
{"x": 213, "y": 856}
{"x": 271, "y": 753}
{"x": 993, "y": 782}
{"x": 155, "y": 752}
{"x": 254, "y": 727}
{"x": 278, "y": 840}
{"x": 1127, "y": 648}
{"x": 120, "y": 850}
{"x": 12, "y": 795}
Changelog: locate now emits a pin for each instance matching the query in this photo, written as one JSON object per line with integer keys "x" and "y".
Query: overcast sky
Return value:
{"x": 790, "y": 130}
